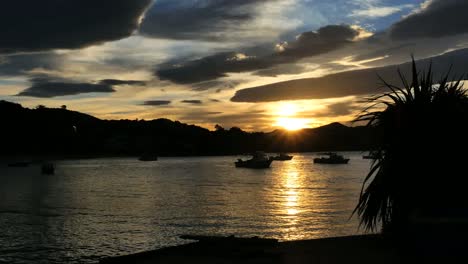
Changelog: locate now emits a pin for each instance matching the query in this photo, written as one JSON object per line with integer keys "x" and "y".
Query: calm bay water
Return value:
{"x": 107, "y": 207}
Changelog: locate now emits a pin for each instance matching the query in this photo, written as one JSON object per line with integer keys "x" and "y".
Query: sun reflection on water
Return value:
{"x": 291, "y": 200}
{"x": 140, "y": 206}
{"x": 291, "y": 193}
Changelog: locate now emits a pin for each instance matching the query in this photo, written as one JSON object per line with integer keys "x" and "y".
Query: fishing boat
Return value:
{"x": 282, "y": 156}
{"x": 331, "y": 158}
{"x": 258, "y": 161}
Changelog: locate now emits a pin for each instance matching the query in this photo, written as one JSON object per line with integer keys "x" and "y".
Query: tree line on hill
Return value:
{"x": 60, "y": 132}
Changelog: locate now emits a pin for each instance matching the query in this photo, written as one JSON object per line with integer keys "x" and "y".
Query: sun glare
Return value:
{"x": 292, "y": 123}
{"x": 287, "y": 117}
{"x": 287, "y": 109}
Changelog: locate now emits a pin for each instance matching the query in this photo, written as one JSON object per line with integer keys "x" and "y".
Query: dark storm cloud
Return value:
{"x": 440, "y": 18}
{"x": 115, "y": 82}
{"x": 45, "y": 87}
{"x": 210, "y": 68}
{"x": 194, "y": 102}
{"x": 18, "y": 64}
{"x": 193, "y": 71}
{"x": 359, "y": 82}
{"x": 311, "y": 43}
{"x": 28, "y": 25}
{"x": 201, "y": 20}
{"x": 157, "y": 102}
{"x": 216, "y": 66}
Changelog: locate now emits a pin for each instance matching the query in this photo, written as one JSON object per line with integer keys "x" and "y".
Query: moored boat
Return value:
{"x": 282, "y": 157}
{"x": 333, "y": 158}
{"x": 258, "y": 161}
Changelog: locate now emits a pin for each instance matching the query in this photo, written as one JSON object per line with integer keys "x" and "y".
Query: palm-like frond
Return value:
{"x": 388, "y": 191}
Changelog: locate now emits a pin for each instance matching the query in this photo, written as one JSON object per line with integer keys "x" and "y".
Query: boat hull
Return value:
{"x": 263, "y": 164}
{"x": 329, "y": 161}
{"x": 282, "y": 158}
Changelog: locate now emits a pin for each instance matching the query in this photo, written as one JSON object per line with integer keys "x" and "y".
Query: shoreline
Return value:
{"x": 359, "y": 249}
{"x": 38, "y": 158}
{"x": 372, "y": 248}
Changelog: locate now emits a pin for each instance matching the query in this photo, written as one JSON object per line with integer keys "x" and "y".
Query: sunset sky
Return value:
{"x": 255, "y": 64}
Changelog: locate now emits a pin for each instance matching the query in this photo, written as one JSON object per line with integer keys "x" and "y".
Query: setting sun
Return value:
{"x": 287, "y": 119}
{"x": 292, "y": 123}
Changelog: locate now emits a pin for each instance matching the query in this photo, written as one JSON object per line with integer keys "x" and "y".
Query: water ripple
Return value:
{"x": 105, "y": 207}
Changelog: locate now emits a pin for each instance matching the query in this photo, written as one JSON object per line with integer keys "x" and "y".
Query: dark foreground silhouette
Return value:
{"x": 63, "y": 133}
{"x": 417, "y": 184}
{"x": 343, "y": 250}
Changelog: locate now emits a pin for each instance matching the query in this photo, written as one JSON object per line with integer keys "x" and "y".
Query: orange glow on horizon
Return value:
{"x": 292, "y": 124}
{"x": 287, "y": 119}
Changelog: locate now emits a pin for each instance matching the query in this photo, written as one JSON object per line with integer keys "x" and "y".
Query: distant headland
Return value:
{"x": 59, "y": 132}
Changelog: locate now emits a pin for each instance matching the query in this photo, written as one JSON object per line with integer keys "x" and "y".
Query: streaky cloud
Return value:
{"x": 116, "y": 82}
{"x": 209, "y": 20}
{"x": 357, "y": 82}
{"x": 44, "y": 87}
{"x": 216, "y": 66}
{"x": 19, "y": 64}
{"x": 156, "y": 102}
{"x": 194, "y": 102}
{"x": 379, "y": 11}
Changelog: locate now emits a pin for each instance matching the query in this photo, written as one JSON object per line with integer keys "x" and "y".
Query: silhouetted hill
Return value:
{"x": 334, "y": 136}
{"x": 60, "y": 132}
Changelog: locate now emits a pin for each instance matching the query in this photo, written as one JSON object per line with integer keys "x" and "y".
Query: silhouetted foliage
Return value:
{"x": 219, "y": 128}
{"x": 61, "y": 132}
{"x": 420, "y": 130}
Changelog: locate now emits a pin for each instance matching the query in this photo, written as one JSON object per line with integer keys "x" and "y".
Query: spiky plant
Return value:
{"x": 414, "y": 123}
